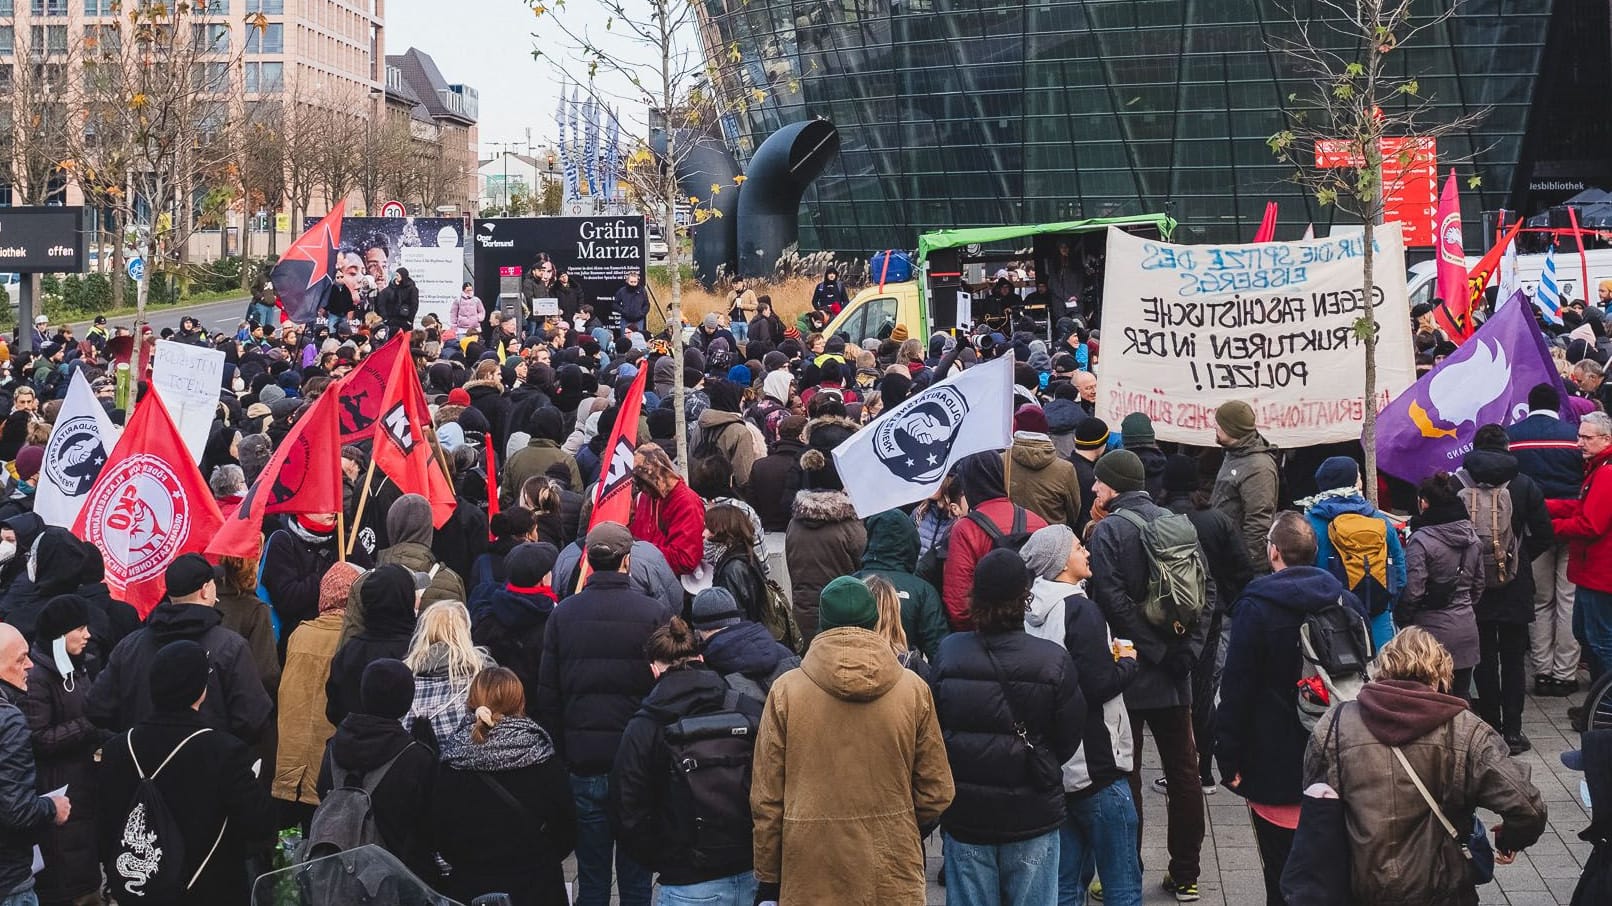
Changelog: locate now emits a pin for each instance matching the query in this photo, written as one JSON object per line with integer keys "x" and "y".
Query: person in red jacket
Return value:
{"x": 667, "y": 513}
{"x": 985, "y": 493}
{"x": 1586, "y": 525}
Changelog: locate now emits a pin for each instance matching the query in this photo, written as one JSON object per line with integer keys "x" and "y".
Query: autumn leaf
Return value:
{"x": 694, "y": 199}
{"x": 739, "y": 180}
{"x": 138, "y": 102}
{"x": 716, "y": 189}
{"x": 1474, "y": 181}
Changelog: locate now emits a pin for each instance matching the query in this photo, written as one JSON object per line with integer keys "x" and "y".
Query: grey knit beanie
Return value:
{"x": 1046, "y": 552}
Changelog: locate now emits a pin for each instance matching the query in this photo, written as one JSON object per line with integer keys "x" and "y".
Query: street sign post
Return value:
{"x": 137, "y": 269}
{"x": 394, "y": 209}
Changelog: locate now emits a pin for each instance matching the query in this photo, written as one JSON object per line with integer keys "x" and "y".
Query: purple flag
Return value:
{"x": 1430, "y": 426}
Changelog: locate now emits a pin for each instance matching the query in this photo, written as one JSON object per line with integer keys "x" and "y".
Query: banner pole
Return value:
{"x": 1583, "y": 259}
{"x": 363, "y": 498}
{"x": 341, "y": 534}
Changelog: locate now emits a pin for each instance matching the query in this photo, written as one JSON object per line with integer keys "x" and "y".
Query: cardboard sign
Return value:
{"x": 189, "y": 379}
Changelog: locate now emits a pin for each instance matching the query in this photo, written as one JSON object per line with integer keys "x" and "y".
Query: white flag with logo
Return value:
{"x": 903, "y": 455}
{"x": 77, "y": 449}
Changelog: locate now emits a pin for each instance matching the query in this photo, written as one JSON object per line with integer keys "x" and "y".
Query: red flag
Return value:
{"x": 303, "y": 476}
{"x": 1483, "y": 273}
{"x": 306, "y": 273}
{"x": 492, "y": 485}
{"x": 612, "y": 500}
{"x": 1454, "y": 317}
{"x": 149, "y": 506}
{"x": 403, "y": 446}
{"x": 1267, "y": 224}
{"x": 361, "y": 391}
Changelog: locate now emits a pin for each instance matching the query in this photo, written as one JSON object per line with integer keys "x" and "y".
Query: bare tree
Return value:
{"x": 387, "y": 146}
{"x": 655, "y": 53}
{"x": 160, "y": 99}
{"x": 1357, "y": 93}
{"x": 35, "y": 110}
{"x": 262, "y": 170}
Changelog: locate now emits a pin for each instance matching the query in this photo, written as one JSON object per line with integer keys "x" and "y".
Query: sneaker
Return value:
{"x": 1095, "y": 891}
{"x": 1162, "y": 785}
{"x": 1552, "y": 687}
{"x": 1518, "y": 743}
{"x": 1185, "y": 892}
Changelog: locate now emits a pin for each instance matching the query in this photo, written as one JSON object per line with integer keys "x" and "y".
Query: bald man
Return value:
{"x": 1086, "y": 386}
{"x": 24, "y": 814}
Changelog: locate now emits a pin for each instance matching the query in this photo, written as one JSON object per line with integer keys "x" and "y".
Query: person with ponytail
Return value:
{"x": 1444, "y": 576}
{"x": 501, "y": 804}
{"x": 655, "y": 825}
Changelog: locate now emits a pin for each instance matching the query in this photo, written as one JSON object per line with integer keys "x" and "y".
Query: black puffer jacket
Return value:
{"x": 60, "y": 562}
{"x": 110, "y": 619}
{"x": 402, "y": 799}
{"x": 26, "y": 812}
{"x": 1530, "y": 521}
{"x": 593, "y": 674}
{"x": 999, "y": 798}
{"x": 236, "y": 701}
{"x": 64, "y": 755}
{"x": 387, "y": 598}
{"x": 294, "y": 563}
{"x": 487, "y": 397}
{"x": 511, "y": 629}
{"x": 642, "y": 813}
{"x": 774, "y": 479}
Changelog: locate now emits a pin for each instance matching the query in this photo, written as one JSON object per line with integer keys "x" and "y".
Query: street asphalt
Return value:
{"x": 214, "y": 316}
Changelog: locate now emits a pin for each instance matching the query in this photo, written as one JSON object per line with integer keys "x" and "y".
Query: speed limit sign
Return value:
{"x": 393, "y": 209}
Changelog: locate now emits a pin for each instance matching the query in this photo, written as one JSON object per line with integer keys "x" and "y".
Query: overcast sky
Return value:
{"x": 488, "y": 44}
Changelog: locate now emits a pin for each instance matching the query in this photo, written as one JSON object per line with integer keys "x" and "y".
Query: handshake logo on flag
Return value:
{"x": 916, "y": 444}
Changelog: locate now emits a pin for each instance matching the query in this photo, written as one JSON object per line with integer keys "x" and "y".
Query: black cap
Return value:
{"x": 187, "y": 575}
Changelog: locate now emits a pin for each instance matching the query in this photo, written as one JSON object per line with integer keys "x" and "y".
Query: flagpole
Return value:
{"x": 363, "y": 498}
{"x": 1583, "y": 259}
{"x": 341, "y": 534}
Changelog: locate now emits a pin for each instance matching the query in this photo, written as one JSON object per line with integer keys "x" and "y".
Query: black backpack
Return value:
{"x": 708, "y": 794}
{"x": 147, "y": 861}
{"x": 1012, "y": 540}
{"x": 1334, "y": 651}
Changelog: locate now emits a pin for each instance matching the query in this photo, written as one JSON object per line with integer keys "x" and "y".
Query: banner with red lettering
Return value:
{"x": 1188, "y": 327}
{"x": 148, "y": 506}
{"x": 361, "y": 390}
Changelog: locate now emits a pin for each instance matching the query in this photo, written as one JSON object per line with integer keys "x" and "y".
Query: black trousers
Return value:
{"x": 1502, "y": 674}
{"x": 1274, "y": 845}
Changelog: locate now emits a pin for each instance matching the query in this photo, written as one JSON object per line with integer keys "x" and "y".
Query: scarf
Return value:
{"x": 514, "y": 742}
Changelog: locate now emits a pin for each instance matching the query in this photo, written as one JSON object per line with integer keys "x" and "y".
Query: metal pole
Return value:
{"x": 25, "y": 311}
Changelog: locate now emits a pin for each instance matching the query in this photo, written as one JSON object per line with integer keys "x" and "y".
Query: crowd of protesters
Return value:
{"x": 747, "y": 694}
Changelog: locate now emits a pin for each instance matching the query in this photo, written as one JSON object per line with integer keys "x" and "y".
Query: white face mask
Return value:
{"x": 33, "y": 567}
{"x": 8, "y": 549}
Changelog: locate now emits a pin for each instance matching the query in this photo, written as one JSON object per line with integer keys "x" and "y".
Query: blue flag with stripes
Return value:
{"x": 1548, "y": 297}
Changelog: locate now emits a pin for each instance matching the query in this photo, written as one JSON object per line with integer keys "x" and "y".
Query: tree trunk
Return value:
{"x": 116, "y": 274}
{"x": 1368, "y": 425}
{"x": 674, "y": 316}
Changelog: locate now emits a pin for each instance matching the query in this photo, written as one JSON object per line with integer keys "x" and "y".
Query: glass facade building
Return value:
{"x": 957, "y": 113}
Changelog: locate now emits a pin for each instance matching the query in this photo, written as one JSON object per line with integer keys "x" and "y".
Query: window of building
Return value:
{"x": 212, "y": 7}
{"x": 268, "y": 39}
{"x": 49, "y": 7}
{"x": 49, "y": 38}
{"x": 267, "y": 7}
{"x": 265, "y": 78}
{"x": 8, "y": 38}
{"x": 212, "y": 37}
{"x": 7, "y": 8}
{"x": 102, "y": 39}
{"x": 98, "y": 7}
{"x": 211, "y": 76}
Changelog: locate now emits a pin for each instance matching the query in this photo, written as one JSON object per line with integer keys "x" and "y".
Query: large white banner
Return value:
{"x": 189, "y": 379}
{"x": 438, "y": 273}
{"x": 1188, "y": 327}
{"x": 902, "y": 455}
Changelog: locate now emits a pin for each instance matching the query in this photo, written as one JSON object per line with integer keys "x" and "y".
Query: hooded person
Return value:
{"x": 743, "y": 652}
{"x": 388, "y": 600}
{"x": 304, "y": 729}
{"x": 56, "y": 563}
{"x": 720, "y": 429}
{"x": 511, "y": 627}
{"x": 851, "y": 702}
{"x": 371, "y": 738}
{"x": 546, "y": 430}
{"x": 1136, "y": 434}
{"x": 216, "y": 803}
{"x": 65, "y": 745}
{"x": 110, "y": 619}
{"x": 892, "y": 552}
{"x": 236, "y": 700}
{"x": 824, "y": 538}
{"x": 408, "y": 525}
{"x": 1037, "y": 478}
{"x": 982, "y": 478}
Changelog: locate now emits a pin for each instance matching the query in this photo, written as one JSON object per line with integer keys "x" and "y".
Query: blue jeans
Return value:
{"x": 734, "y": 890}
{"x": 740, "y": 330}
{"x": 25, "y": 898}
{"x": 1592, "y": 626}
{"x": 595, "y": 846}
{"x": 1099, "y": 837}
{"x": 1003, "y": 874}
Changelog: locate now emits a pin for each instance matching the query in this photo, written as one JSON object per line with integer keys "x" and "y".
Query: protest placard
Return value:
{"x": 1186, "y": 328}
{"x": 189, "y": 379}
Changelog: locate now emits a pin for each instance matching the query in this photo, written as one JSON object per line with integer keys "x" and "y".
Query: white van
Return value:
{"x": 1423, "y": 278}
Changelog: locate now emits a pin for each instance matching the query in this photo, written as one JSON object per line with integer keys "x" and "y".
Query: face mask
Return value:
{"x": 64, "y": 663}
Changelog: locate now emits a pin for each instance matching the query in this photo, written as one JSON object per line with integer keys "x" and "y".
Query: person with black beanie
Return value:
{"x": 371, "y": 747}
{"x": 65, "y": 744}
{"x": 387, "y": 597}
{"x": 207, "y": 779}
{"x": 512, "y": 624}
